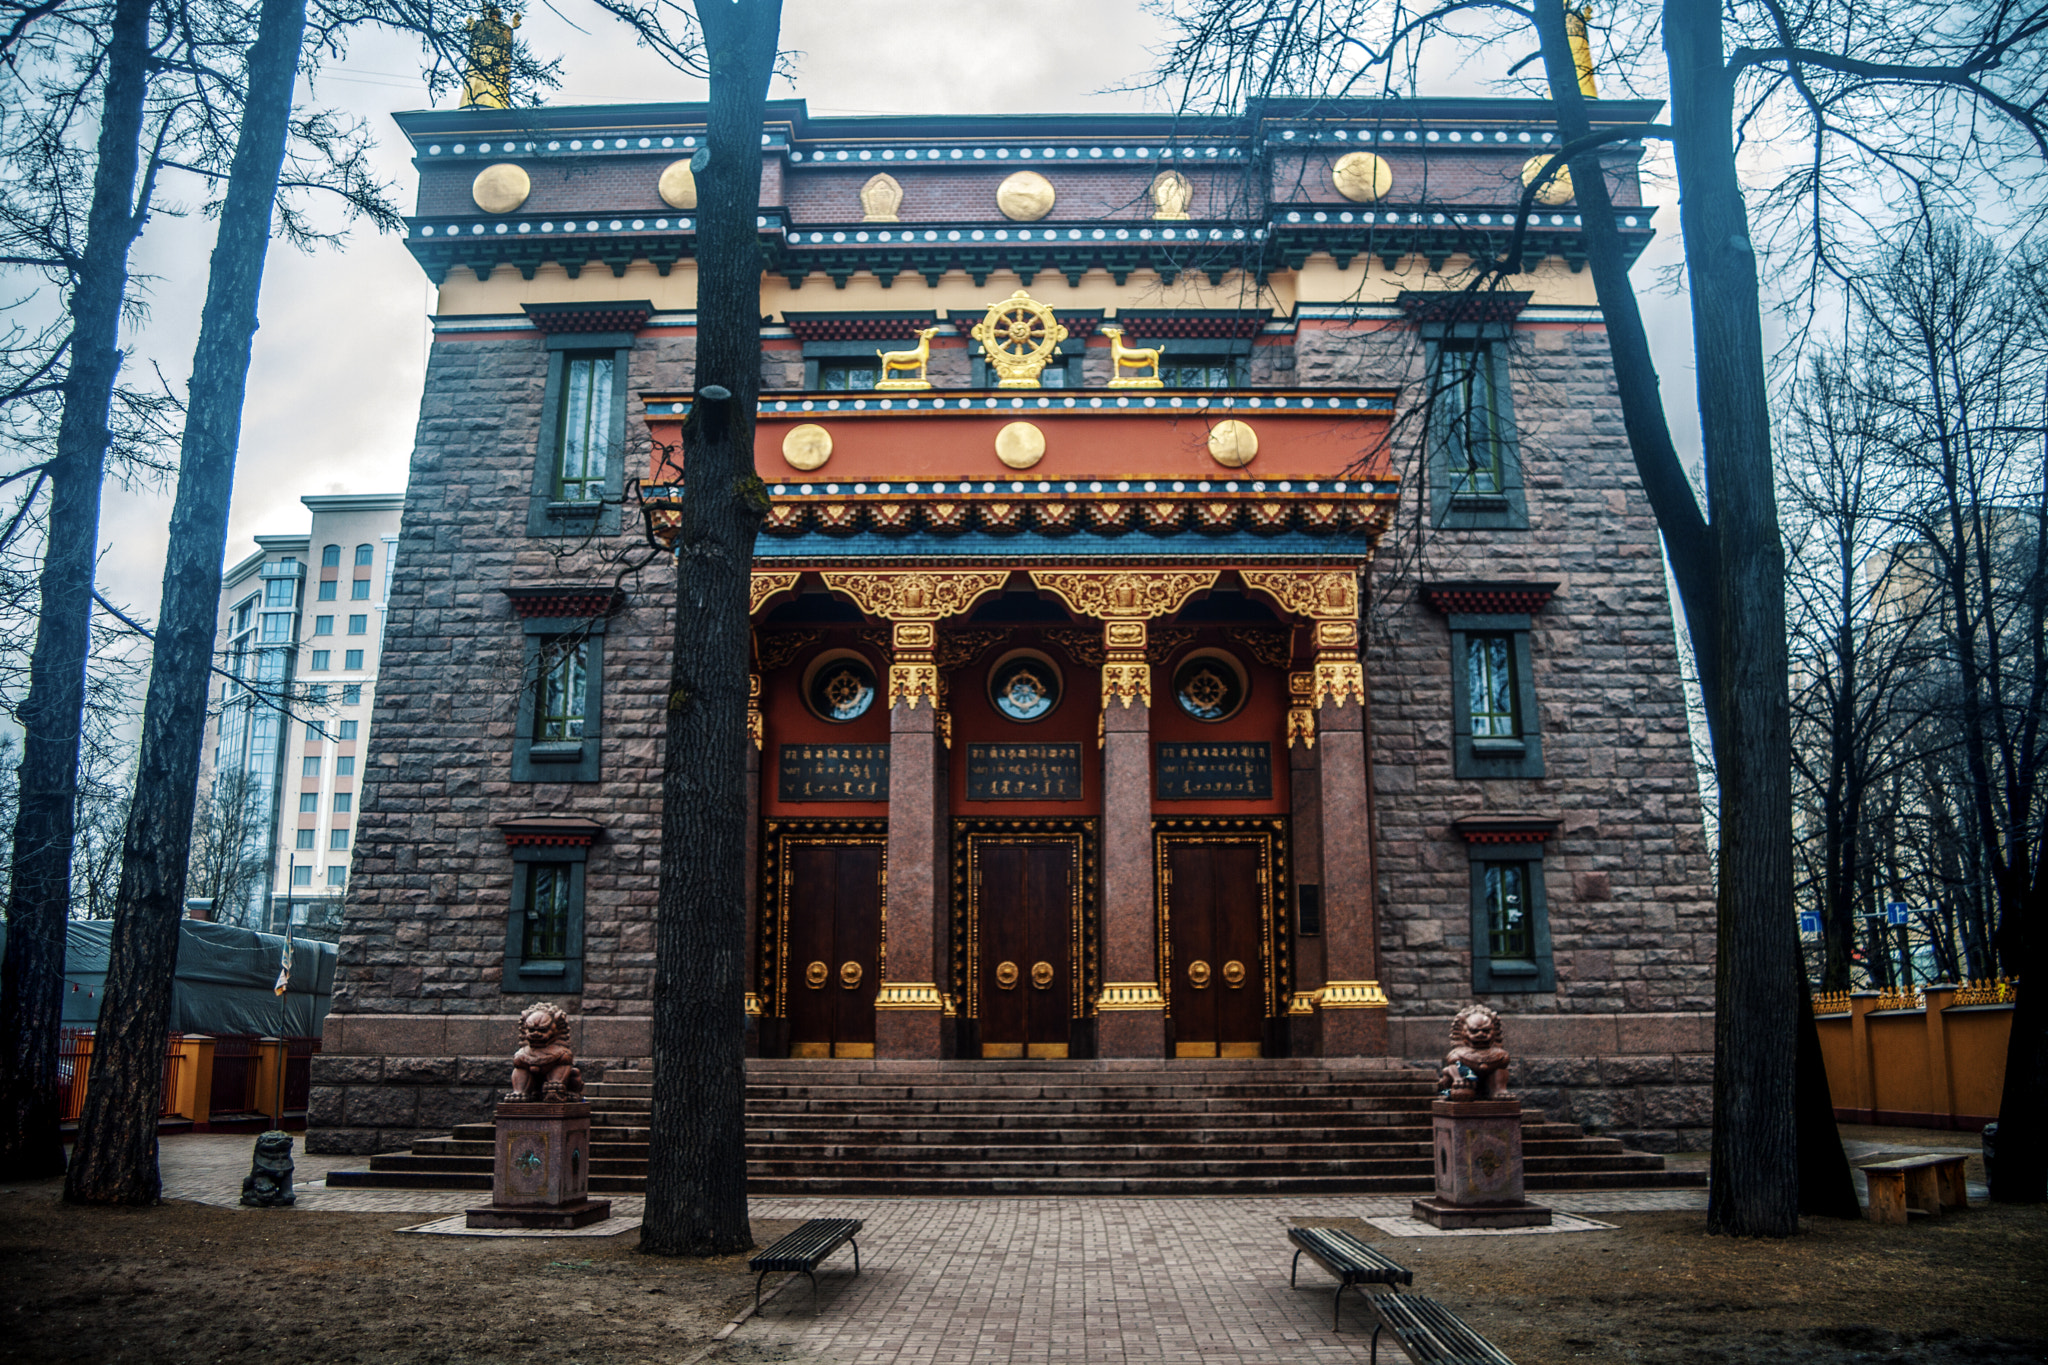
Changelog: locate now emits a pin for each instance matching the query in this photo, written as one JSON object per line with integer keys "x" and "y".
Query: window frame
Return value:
{"x": 546, "y": 514}
{"x": 1235, "y": 353}
{"x": 1506, "y": 509}
{"x": 1485, "y": 758}
{"x": 1510, "y": 976}
{"x": 535, "y": 760}
{"x": 528, "y": 976}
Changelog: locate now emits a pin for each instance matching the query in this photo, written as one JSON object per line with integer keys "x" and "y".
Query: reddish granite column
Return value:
{"x": 1354, "y": 1008}
{"x": 1131, "y": 1013}
{"x": 751, "y": 968}
{"x": 908, "y": 1007}
{"x": 1305, "y": 825}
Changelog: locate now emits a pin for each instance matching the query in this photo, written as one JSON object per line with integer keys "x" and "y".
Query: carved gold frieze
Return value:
{"x": 960, "y": 648}
{"x": 1126, "y": 682}
{"x": 1129, "y": 995}
{"x": 1132, "y": 594}
{"x": 1319, "y": 594}
{"x": 910, "y": 683}
{"x": 1301, "y": 709}
{"x": 909, "y": 995}
{"x": 764, "y": 584}
{"x": 1339, "y": 679}
{"x": 1352, "y": 995}
{"x": 775, "y": 649}
{"x": 1082, "y": 645}
{"x": 916, "y": 595}
{"x": 1301, "y": 1004}
{"x": 1273, "y": 648}
{"x": 906, "y": 637}
{"x": 756, "y": 730}
{"x": 1161, "y": 642}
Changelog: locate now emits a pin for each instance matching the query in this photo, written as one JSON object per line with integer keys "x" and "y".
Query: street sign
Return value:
{"x": 1896, "y": 912}
{"x": 1809, "y": 923}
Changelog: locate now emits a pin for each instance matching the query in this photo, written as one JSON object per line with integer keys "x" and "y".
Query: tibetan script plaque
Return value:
{"x": 1023, "y": 772}
{"x": 1215, "y": 772}
{"x": 833, "y": 772}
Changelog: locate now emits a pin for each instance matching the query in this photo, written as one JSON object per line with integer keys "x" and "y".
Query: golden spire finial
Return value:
{"x": 487, "y": 83}
{"x": 1582, "y": 48}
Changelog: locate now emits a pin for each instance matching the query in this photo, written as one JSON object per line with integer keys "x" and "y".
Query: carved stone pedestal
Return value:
{"x": 541, "y": 1178}
{"x": 1479, "y": 1168}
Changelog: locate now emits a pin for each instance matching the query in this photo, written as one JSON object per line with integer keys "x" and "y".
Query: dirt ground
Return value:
{"x": 191, "y": 1283}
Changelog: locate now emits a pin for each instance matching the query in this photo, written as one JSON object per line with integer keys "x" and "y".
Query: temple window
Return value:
{"x": 841, "y": 376}
{"x": 1511, "y": 948}
{"x": 579, "y": 463}
{"x": 564, "y": 678}
{"x": 1468, "y": 405}
{"x": 1490, "y": 686}
{"x": 544, "y": 923}
{"x": 1219, "y": 374}
{"x": 1495, "y": 722}
{"x": 547, "y": 911}
{"x": 582, "y": 441}
{"x": 1474, "y": 456}
{"x": 557, "y": 732}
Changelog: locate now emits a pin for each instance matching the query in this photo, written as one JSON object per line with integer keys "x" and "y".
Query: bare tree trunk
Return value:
{"x": 116, "y": 1155}
{"x": 697, "y": 1156}
{"x": 1754, "y": 1178}
{"x": 32, "y": 973}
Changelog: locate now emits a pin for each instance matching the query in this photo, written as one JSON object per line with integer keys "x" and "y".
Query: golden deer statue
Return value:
{"x": 1134, "y": 357}
{"x": 912, "y": 361}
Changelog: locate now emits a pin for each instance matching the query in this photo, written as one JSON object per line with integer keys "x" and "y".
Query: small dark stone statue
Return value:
{"x": 544, "y": 1070}
{"x": 269, "y": 1182}
{"x": 1476, "y": 1067}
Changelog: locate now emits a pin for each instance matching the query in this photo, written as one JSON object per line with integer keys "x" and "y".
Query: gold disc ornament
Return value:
{"x": 1025, "y": 197}
{"x": 500, "y": 188}
{"x": 677, "y": 186}
{"x": 1233, "y": 444}
{"x": 1556, "y": 190}
{"x": 807, "y": 447}
{"x": 1020, "y": 445}
{"x": 1362, "y": 177}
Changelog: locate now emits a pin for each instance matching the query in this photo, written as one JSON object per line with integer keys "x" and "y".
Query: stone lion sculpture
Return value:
{"x": 1476, "y": 1067}
{"x": 269, "y": 1182}
{"x": 545, "y": 1064}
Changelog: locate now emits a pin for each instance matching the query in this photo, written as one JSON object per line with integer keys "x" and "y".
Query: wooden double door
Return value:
{"x": 1216, "y": 907}
{"x": 1024, "y": 947}
{"x": 831, "y": 901}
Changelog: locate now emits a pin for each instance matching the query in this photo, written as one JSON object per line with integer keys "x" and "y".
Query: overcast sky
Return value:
{"x": 335, "y": 386}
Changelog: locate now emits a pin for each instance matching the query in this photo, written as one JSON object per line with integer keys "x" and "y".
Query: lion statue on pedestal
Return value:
{"x": 545, "y": 1064}
{"x": 1476, "y": 1067}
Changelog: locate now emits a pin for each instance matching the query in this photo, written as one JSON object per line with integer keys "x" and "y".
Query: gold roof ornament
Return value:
{"x": 880, "y": 200}
{"x": 1025, "y": 197}
{"x": 1019, "y": 336}
{"x": 1556, "y": 190}
{"x": 487, "y": 81}
{"x": 1582, "y": 48}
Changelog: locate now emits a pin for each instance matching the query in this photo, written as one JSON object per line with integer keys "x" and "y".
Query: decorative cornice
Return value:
{"x": 1317, "y": 594}
{"x": 621, "y": 316}
{"x": 1505, "y": 829}
{"x": 1124, "y": 594}
{"x": 584, "y": 600}
{"x": 558, "y": 831}
{"x": 1487, "y": 596}
{"x": 1351, "y": 995}
{"x": 915, "y": 595}
{"x": 766, "y": 583}
{"x": 1166, "y": 324}
{"x": 910, "y": 995}
{"x": 1458, "y": 305}
{"x": 1129, "y": 995}
{"x": 898, "y": 514}
{"x": 893, "y": 326}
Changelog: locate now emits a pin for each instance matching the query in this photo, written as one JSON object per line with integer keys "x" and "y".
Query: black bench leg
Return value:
{"x": 1337, "y": 1307}
{"x": 856, "y": 1254}
{"x": 1375, "y": 1344}
{"x": 1294, "y": 1270}
{"x": 757, "y": 1288}
{"x": 812, "y": 1277}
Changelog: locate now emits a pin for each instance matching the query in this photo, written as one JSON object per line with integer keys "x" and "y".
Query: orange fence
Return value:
{"x": 204, "y": 1076}
{"x": 1928, "y": 1059}
{"x": 74, "y": 1069}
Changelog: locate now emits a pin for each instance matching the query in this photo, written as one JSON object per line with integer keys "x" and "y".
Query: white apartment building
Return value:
{"x": 301, "y": 628}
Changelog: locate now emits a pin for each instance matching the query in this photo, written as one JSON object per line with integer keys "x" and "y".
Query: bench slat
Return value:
{"x": 803, "y": 1248}
{"x": 1432, "y": 1334}
{"x": 1352, "y": 1261}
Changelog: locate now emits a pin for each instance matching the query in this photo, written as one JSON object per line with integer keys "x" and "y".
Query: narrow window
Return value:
{"x": 280, "y": 592}
{"x": 364, "y": 554}
{"x": 328, "y": 587}
{"x": 1490, "y": 686}
{"x": 309, "y": 767}
{"x": 1468, "y": 402}
{"x": 838, "y": 376}
{"x": 564, "y": 683}
{"x": 1510, "y": 935}
{"x": 354, "y": 659}
{"x": 317, "y": 694}
{"x": 345, "y": 766}
{"x": 309, "y": 803}
{"x": 359, "y": 591}
{"x": 313, "y": 735}
{"x": 547, "y": 911}
{"x": 337, "y": 874}
{"x": 302, "y": 876}
{"x": 348, "y": 729}
{"x": 323, "y": 625}
{"x": 320, "y": 660}
{"x": 583, "y": 428}
{"x": 1201, "y": 376}
{"x": 344, "y": 802}
{"x": 306, "y": 837}
{"x": 351, "y": 695}
{"x": 277, "y": 627}
{"x": 336, "y": 839}
{"x": 330, "y": 557}
{"x": 358, "y": 625}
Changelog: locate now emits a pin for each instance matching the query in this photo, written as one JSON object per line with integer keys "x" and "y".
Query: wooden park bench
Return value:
{"x": 1916, "y": 1184}
{"x": 800, "y": 1252}
{"x": 1355, "y": 1264}
{"x": 1430, "y": 1333}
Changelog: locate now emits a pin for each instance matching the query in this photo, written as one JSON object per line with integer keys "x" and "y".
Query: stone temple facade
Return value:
{"x": 1248, "y": 640}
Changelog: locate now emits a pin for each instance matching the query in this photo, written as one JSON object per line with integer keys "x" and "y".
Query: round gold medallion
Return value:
{"x": 849, "y": 974}
{"x": 807, "y": 447}
{"x": 1362, "y": 177}
{"x": 1198, "y": 974}
{"x": 677, "y": 187}
{"x": 1556, "y": 190}
{"x": 1020, "y": 445}
{"x": 1006, "y": 975}
{"x": 1232, "y": 444}
{"x": 500, "y": 188}
{"x": 1025, "y": 197}
{"x": 1041, "y": 974}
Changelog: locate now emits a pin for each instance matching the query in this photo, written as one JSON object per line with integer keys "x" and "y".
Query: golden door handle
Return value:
{"x": 1041, "y": 974}
{"x": 1198, "y": 974}
{"x": 1006, "y": 975}
{"x": 849, "y": 975}
{"x": 816, "y": 974}
{"x": 1233, "y": 974}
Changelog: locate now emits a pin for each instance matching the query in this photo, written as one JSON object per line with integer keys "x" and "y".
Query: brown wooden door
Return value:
{"x": 1024, "y": 987}
{"x": 1214, "y": 914}
{"x": 835, "y": 931}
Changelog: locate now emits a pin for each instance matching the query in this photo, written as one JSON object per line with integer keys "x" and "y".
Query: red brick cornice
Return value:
{"x": 1080, "y": 324}
{"x": 1488, "y": 596}
{"x": 569, "y": 599}
{"x": 1504, "y": 829}
{"x": 1166, "y": 324}
{"x": 550, "y": 831}
{"x": 1457, "y": 305}
{"x": 902, "y": 326}
{"x": 626, "y": 315}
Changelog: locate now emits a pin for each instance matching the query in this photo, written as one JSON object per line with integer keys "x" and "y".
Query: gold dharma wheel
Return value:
{"x": 1041, "y": 974}
{"x": 1006, "y": 975}
{"x": 1019, "y": 336}
{"x": 1198, "y": 974}
{"x": 816, "y": 974}
{"x": 1233, "y": 974}
{"x": 849, "y": 975}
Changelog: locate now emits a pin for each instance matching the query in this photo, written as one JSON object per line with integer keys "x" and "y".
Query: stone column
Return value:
{"x": 1305, "y": 824}
{"x": 751, "y": 970}
{"x": 1131, "y": 1012}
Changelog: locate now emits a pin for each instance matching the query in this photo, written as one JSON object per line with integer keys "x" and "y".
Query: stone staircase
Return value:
{"x": 1055, "y": 1127}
